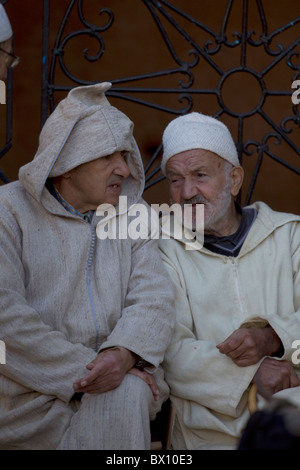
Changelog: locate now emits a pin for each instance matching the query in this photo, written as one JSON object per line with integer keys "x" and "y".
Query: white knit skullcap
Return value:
{"x": 197, "y": 131}
{"x": 5, "y": 26}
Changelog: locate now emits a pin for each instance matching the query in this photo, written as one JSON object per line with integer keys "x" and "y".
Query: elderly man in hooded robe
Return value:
{"x": 237, "y": 295}
{"x": 85, "y": 321}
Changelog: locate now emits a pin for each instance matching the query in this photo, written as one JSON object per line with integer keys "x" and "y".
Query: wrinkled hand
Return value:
{"x": 273, "y": 376}
{"x": 107, "y": 371}
{"x": 246, "y": 346}
{"x": 148, "y": 378}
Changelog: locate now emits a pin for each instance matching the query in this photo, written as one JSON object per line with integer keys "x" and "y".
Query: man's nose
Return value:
{"x": 189, "y": 189}
{"x": 121, "y": 167}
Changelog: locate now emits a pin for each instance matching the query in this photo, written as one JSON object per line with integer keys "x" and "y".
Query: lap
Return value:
{"x": 132, "y": 392}
{"x": 127, "y": 406}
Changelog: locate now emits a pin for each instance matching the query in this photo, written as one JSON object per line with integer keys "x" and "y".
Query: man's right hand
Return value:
{"x": 273, "y": 376}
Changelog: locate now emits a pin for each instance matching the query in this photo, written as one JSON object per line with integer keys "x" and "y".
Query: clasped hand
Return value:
{"x": 247, "y": 346}
{"x": 107, "y": 371}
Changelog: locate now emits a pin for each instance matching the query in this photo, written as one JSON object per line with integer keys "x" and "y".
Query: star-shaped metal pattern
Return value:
{"x": 206, "y": 47}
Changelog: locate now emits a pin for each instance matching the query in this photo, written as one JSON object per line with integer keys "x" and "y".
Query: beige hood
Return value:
{"x": 83, "y": 127}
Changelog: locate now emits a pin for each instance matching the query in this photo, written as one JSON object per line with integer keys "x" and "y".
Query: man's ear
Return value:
{"x": 64, "y": 176}
{"x": 236, "y": 179}
{"x": 67, "y": 175}
{"x": 58, "y": 180}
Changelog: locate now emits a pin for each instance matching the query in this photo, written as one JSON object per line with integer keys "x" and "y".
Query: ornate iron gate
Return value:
{"x": 168, "y": 18}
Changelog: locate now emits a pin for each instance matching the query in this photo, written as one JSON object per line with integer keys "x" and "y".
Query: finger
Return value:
{"x": 87, "y": 379}
{"x": 231, "y": 349}
{"x": 294, "y": 381}
{"x": 149, "y": 379}
{"x": 83, "y": 381}
{"x": 90, "y": 366}
{"x": 237, "y": 354}
{"x": 101, "y": 384}
{"x": 230, "y": 344}
{"x": 96, "y": 387}
{"x": 245, "y": 361}
{"x": 154, "y": 389}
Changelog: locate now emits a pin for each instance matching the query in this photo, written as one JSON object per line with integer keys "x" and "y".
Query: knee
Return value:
{"x": 136, "y": 390}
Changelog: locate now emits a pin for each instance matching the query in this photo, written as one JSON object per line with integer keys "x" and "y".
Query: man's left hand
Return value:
{"x": 246, "y": 346}
{"x": 107, "y": 371}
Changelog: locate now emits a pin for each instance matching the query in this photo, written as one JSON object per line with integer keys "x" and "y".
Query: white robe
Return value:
{"x": 215, "y": 295}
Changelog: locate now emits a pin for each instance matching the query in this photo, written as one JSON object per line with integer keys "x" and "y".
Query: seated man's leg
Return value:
{"x": 116, "y": 420}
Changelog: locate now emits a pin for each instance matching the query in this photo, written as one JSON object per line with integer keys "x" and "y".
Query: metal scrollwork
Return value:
{"x": 167, "y": 16}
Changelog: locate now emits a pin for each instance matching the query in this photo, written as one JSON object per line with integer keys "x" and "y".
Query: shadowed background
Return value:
{"x": 134, "y": 46}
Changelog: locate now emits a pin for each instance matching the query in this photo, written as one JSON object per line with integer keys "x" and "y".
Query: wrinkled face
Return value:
{"x": 7, "y": 46}
{"x": 202, "y": 177}
{"x": 97, "y": 182}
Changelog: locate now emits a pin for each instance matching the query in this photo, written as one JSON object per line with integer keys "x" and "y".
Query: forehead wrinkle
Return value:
{"x": 193, "y": 160}
{"x": 182, "y": 169}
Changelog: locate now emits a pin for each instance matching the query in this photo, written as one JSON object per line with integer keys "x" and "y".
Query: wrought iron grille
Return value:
{"x": 205, "y": 46}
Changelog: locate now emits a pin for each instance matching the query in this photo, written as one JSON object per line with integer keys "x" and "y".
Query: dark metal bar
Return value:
{"x": 154, "y": 182}
{"x": 281, "y": 56}
{"x": 244, "y": 33}
{"x": 254, "y": 177}
{"x": 184, "y": 34}
{"x": 154, "y": 157}
{"x": 45, "y": 61}
{"x": 279, "y": 131}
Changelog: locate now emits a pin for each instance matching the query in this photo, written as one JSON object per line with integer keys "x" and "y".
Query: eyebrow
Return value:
{"x": 192, "y": 170}
{"x": 200, "y": 168}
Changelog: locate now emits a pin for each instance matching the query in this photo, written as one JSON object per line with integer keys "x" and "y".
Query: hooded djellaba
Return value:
{"x": 66, "y": 294}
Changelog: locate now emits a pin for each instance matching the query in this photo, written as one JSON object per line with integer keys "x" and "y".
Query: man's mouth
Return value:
{"x": 193, "y": 205}
{"x": 116, "y": 186}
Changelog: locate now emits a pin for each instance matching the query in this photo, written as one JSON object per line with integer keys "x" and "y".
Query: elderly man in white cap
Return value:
{"x": 237, "y": 298}
{"x": 7, "y": 58}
